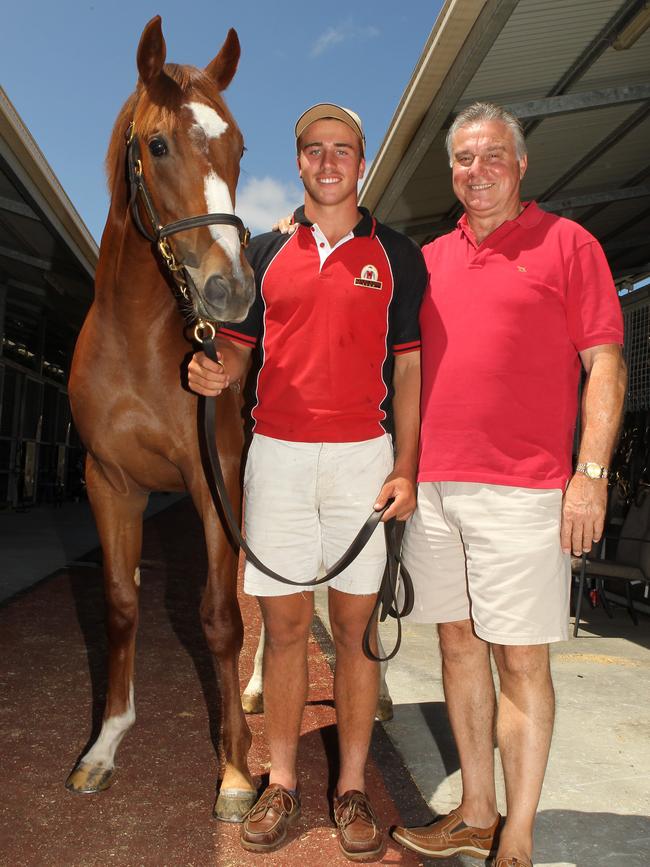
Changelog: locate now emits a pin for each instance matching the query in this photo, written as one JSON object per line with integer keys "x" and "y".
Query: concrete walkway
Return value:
{"x": 595, "y": 807}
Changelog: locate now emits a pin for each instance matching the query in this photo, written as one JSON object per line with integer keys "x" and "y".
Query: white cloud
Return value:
{"x": 262, "y": 201}
{"x": 342, "y": 33}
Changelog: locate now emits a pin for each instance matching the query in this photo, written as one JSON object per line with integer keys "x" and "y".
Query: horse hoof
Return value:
{"x": 252, "y": 702}
{"x": 384, "y": 710}
{"x": 233, "y": 804}
{"x": 88, "y": 779}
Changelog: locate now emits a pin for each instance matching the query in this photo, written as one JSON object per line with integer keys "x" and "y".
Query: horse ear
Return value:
{"x": 151, "y": 51}
{"x": 224, "y": 66}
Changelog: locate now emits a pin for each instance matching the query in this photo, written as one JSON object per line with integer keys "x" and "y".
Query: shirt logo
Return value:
{"x": 368, "y": 278}
{"x": 521, "y": 268}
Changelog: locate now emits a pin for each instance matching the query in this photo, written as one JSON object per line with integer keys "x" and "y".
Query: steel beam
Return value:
{"x": 34, "y": 261}
{"x": 599, "y": 198}
{"x": 571, "y": 102}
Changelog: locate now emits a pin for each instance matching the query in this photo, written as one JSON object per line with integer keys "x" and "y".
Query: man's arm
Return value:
{"x": 400, "y": 484}
{"x": 585, "y": 500}
{"x": 209, "y": 378}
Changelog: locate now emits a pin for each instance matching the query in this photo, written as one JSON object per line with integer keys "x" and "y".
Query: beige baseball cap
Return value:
{"x": 329, "y": 110}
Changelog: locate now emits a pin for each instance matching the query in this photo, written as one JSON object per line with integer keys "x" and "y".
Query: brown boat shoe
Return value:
{"x": 360, "y": 838}
{"x": 265, "y": 826}
{"x": 512, "y": 862}
{"x": 448, "y": 836}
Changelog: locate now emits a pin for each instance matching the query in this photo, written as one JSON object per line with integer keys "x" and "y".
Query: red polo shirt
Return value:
{"x": 328, "y": 331}
{"x": 502, "y": 323}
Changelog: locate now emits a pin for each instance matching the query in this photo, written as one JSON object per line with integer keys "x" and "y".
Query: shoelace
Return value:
{"x": 277, "y": 798}
{"x": 357, "y": 806}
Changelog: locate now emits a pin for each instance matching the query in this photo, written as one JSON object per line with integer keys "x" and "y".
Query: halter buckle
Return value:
{"x": 200, "y": 331}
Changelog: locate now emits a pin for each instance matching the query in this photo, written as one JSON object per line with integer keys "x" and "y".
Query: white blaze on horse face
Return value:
{"x": 207, "y": 119}
{"x": 218, "y": 201}
{"x": 102, "y": 752}
{"x": 209, "y": 124}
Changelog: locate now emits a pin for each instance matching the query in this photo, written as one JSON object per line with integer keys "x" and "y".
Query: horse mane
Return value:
{"x": 157, "y": 111}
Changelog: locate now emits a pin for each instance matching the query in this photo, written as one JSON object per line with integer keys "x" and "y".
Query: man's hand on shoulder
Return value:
{"x": 285, "y": 225}
{"x": 583, "y": 514}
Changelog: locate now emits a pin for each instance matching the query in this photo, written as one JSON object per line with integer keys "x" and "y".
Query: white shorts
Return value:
{"x": 303, "y": 505}
{"x": 492, "y": 553}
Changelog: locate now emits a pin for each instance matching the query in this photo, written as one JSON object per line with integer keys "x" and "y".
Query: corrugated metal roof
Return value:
{"x": 583, "y": 162}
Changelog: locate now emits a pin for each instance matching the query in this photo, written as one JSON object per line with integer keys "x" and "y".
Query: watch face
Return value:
{"x": 594, "y": 471}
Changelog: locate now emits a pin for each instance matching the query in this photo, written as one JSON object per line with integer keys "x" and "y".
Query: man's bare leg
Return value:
{"x": 470, "y": 697}
{"x": 287, "y": 620}
{"x": 524, "y": 730}
{"x": 356, "y": 685}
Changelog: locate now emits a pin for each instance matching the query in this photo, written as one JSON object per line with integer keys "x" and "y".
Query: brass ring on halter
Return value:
{"x": 200, "y": 332}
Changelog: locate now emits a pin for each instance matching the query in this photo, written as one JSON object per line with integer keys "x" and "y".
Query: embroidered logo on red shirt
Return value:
{"x": 368, "y": 278}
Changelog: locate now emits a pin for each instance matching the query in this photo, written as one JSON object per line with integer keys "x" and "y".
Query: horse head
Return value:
{"x": 184, "y": 149}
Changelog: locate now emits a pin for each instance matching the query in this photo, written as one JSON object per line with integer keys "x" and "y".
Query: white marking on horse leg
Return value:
{"x": 102, "y": 752}
{"x": 255, "y": 684}
{"x": 136, "y": 576}
{"x": 207, "y": 119}
{"x": 383, "y": 668}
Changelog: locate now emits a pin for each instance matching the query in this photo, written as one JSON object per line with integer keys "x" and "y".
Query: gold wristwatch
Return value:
{"x": 592, "y": 470}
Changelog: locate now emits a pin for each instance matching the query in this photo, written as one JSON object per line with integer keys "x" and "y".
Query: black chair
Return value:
{"x": 630, "y": 564}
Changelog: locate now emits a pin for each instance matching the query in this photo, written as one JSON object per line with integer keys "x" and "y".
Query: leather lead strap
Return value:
{"x": 387, "y": 601}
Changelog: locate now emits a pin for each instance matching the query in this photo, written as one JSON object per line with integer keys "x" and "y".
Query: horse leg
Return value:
{"x": 253, "y": 698}
{"x": 384, "y": 710}
{"x": 119, "y": 523}
{"x": 224, "y": 631}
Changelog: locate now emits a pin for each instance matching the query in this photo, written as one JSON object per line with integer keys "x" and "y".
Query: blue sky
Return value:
{"x": 68, "y": 66}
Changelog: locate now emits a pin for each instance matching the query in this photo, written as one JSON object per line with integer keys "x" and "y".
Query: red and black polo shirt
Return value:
{"x": 327, "y": 334}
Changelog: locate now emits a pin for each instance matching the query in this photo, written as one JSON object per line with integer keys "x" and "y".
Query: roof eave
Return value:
{"x": 35, "y": 172}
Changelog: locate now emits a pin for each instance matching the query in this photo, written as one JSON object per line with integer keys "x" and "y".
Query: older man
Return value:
{"x": 518, "y": 298}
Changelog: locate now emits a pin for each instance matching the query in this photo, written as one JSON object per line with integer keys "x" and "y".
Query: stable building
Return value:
{"x": 47, "y": 265}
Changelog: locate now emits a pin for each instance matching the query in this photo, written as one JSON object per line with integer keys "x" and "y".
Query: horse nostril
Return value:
{"x": 216, "y": 290}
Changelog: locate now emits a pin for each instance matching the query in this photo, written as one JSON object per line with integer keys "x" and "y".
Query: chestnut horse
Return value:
{"x": 136, "y": 420}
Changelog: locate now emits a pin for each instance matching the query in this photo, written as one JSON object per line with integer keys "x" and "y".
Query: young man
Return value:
{"x": 520, "y": 298}
{"x": 336, "y": 323}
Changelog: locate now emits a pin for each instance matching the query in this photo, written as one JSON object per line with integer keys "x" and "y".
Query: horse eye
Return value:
{"x": 158, "y": 147}
{"x": 243, "y": 151}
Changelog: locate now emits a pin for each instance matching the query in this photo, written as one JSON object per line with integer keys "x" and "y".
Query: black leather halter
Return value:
{"x": 157, "y": 232}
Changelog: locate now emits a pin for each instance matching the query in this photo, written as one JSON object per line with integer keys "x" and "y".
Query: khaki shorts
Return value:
{"x": 492, "y": 553}
{"x": 303, "y": 505}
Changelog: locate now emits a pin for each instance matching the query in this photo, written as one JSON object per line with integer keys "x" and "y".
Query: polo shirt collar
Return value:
{"x": 531, "y": 215}
{"x": 365, "y": 228}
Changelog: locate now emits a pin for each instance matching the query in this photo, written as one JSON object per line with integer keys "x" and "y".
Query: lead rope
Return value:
{"x": 387, "y": 598}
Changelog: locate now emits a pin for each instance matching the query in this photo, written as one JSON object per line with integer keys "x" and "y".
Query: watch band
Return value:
{"x": 592, "y": 470}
